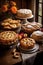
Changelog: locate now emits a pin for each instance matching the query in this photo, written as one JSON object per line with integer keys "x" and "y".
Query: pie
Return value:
{"x": 11, "y": 24}
{"x": 27, "y": 43}
{"x": 31, "y": 27}
{"x": 8, "y": 37}
{"x": 24, "y": 13}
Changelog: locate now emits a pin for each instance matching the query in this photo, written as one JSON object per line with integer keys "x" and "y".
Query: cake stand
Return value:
{"x": 24, "y": 20}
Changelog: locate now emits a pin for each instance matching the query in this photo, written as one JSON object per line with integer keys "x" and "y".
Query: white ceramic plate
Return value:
{"x": 34, "y": 49}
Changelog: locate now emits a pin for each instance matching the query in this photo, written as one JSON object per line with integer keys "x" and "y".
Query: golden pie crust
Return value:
{"x": 27, "y": 43}
{"x": 30, "y": 27}
{"x": 11, "y": 24}
{"x": 8, "y": 37}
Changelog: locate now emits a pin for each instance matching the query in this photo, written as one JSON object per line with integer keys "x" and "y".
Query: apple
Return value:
{"x": 22, "y": 34}
{"x": 19, "y": 37}
{"x": 25, "y": 35}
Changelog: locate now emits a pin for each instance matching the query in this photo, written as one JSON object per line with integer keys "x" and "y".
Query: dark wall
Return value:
{"x": 29, "y": 4}
{"x": 22, "y": 3}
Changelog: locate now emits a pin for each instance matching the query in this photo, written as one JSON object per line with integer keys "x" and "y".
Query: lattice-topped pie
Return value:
{"x": 8, "y": 37}
{"x": 27, "y": 43}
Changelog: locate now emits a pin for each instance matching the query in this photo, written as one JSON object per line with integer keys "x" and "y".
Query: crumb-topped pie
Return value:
{"x": 27, "y": 43}
{"x": 8, "y": 37}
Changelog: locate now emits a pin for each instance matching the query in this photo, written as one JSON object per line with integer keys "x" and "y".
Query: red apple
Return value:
{"x": 19, "y": 37}
{"x": 22, "y": 34}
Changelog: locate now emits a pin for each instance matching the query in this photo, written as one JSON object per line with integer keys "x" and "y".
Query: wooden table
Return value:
{"x": 6, "y": 57}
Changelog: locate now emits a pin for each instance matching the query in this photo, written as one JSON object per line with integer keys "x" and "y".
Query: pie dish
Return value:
{"x": 27, "y": 43}
{"x": 34, "y": 49}
{"x": 8, "y": 38}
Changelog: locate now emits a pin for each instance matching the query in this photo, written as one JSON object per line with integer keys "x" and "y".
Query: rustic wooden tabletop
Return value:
{"x": 6, "y": 57}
